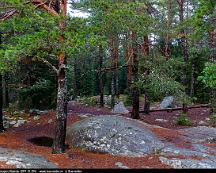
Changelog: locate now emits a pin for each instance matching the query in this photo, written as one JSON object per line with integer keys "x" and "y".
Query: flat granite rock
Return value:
{"x": 24, "y": 160}
{"x": 200, "y": 134}
{"x": 115, "y": 135}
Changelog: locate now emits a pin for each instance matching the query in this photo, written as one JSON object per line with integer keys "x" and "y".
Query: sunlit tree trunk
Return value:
{"x": 61, "y": 111}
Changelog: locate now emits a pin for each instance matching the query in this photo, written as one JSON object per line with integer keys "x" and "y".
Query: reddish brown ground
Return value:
{"x": 17, "y": 138}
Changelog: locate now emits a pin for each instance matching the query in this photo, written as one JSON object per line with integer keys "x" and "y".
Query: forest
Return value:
{"x": 107, "y": 84}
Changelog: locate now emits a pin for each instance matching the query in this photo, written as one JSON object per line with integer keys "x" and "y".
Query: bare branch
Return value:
{"x": 48, "y": 64}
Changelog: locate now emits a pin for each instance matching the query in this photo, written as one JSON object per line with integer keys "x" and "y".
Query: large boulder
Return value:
{"x": 120, "y": 108}
{"x": 113, "y": 134}
{"x": 167, "y": 102}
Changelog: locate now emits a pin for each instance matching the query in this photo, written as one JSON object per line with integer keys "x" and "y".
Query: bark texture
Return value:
{"x": 134, "y": 88}
{"x": 61, "y": 111}
{"x": 100, "y": 74}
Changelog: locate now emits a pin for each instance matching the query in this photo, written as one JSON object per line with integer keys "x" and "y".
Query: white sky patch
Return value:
{"x": 76, "y": 13}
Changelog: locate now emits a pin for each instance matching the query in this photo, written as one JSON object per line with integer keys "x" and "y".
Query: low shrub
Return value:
{"x": 183, "y": 120}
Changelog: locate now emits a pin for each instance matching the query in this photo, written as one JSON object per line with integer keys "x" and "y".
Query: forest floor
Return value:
{"x": 19, "y": 138}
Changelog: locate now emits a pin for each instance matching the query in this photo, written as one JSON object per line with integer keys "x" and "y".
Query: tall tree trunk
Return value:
{"x": 74, "y": 79}
{"x": 1, "y": 96}
{"x": 169, "y": 23}
{"x": 192, "y": 77}
{"x": 182, "y": 32}
{"x": 5, "y": 91}
{"x": 61, "y": 111}
{"x": 212, "y": 59}
{"x": 146, "y": 53}
{"x": 1, "y": 106}
{"x": 183, "y": 43}
{"x": 128, "y": 61}
{"x": 112, "y": 72}
{"x": 134, "y": 88}
{"x": 114, "y": 59}
{"x": 100, "y": 74}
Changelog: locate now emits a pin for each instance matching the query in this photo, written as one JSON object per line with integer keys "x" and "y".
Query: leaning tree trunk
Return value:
{"x": 61, "y": 110}
{"x": 134, "y": 89}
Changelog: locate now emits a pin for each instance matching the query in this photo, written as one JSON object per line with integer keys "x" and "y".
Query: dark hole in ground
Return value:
{"x": 42, "y": 141}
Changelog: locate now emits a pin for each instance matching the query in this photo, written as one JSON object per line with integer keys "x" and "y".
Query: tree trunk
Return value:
{"x": 61, "y": 111}
{"x": 128, "y": 62}
{"x": 100, "y": 74}
{"x": 1, "y": 106}
{"x": 1, "y": 97}
{"x": 147, "y": 103}
{"x": 212, "y": 59}
{"x": 169, "y": 23}
{"x": 145, "y": 71}
{"x": 134, "y": 88}
{"x": 192, "y": 78}
{"x": 5, "y": 91}
{"x": 114, "y": 59}
{"x": 74, "y": 79}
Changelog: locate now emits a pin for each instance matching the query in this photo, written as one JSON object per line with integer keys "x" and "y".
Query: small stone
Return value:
{"x": 207, "y": 119}
{"x": 202, "y": 123}
{"x": 120, "y": 165}
{"x": 12, "y": 122}
{"x": 36, "y": 118}
{"x": 161, "y": 120}
{"x": 50, "y": 121}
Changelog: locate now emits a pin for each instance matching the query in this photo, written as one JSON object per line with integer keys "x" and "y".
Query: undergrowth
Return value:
{"x": 183, "y": 120}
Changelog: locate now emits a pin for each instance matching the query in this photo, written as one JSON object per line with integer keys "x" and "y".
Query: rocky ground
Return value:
{"x": 179, "y": 149}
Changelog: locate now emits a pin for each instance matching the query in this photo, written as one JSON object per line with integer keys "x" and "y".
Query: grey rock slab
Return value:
{"x": 188, "y": 163}
{"x": 120, "y": 108}
{"x": 23, "y": 159}
{"x": 115, "y": 135}
{"x": 199, "y": 134}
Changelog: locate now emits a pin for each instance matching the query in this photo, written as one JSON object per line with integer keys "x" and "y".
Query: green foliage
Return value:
{"x": 40, "y": 95}
{"x": 161, "y": 80}
{"x": 209, "y": 75}
{"x": 183, "y": 120}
